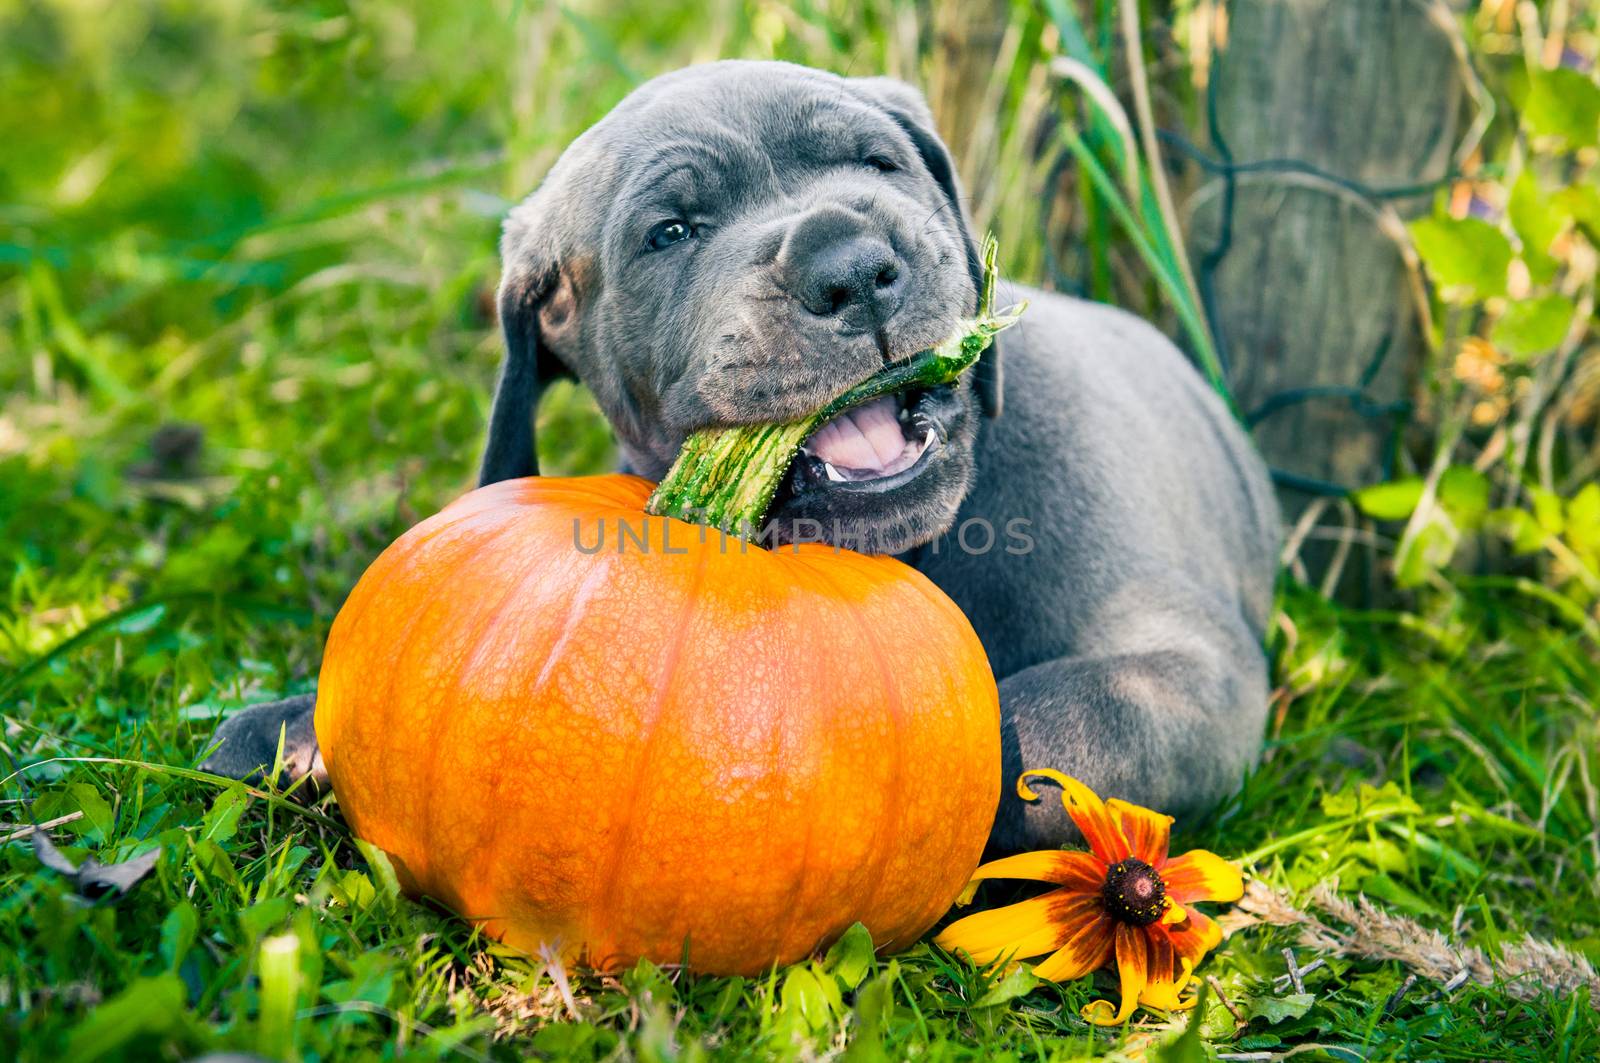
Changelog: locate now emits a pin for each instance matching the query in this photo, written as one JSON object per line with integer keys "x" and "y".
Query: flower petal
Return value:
{"x": 1147, "y": 832}
{"x": 1099, "y": 827}
{"x": 1201, "y": 876}
{"x": 1192, "y": 938}
{"x": 1133, "y": 967}
{"x": 1164, "y": 966}
{"x": 1077, "y": 871}
{"x": 1027, "y": 928}
{"x": 1175, "y": 950}
{"x": 1168, "y": 996}
{"x": 1088, "y": 950}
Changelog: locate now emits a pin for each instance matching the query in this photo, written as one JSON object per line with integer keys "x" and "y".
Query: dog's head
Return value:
{"x": 739, "y": 243}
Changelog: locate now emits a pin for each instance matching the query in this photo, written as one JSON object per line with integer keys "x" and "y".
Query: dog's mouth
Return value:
{"x": 873, "y": 447}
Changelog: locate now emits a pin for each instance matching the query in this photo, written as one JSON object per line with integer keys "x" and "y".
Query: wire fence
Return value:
{"x": 1373, "y": 392}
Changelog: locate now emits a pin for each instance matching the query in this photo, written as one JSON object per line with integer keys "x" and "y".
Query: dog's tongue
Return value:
{"x": 865, "y": 439}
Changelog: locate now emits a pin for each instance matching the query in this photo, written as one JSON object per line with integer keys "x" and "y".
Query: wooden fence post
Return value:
{"x": 1333, "y": 120}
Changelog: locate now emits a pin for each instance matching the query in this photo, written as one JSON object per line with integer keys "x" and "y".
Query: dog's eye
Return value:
{"x": 667, "y": 233}
{"x": 881, "y": 164}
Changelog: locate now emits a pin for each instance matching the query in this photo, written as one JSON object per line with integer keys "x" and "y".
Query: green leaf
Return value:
{"x": 727, "y": 998}
{"x": 263, "y": 916}
{"x": 95, "y": 823}
{"x": 851, "y": 956}
{"x": 1256, "y": 1041}
{"x": 1276, "y": 1009}
{"x": 873, "y": 1011}
{"x": 98, "y": 821}
{"x": 355, "y": 890}
{"x": 212, "y": 859}
{"x": 1521, "y": 528}
{"x": 1018, "y": 982}
{"x": 1533, "y": 326}
{"x": 372, "y": 980}
{"x": 1389, "y": 889}
{"x": 147, "y": 1006}
{"x": 1582, "y": 202}
{"x": 222, "y": 821}
{"x": 646, "y": 979}
{"x": 1188, "y": 1047}
{"x": 1394, "y": 500}
{"x": 1464, "y": 494}
{"x": 382, "y": 869}
{"x": 1381, "y": 853}
{"x": 1429, "y": 549}
{"x": 178, "y": 931}
{"x": 141, "y": 620}
{"x": 1538, "y": 220}
{"x": 1464, "y": 254}
{"x": 804, "y": 995}
{"x": 1563, "y": 103}
{"x": 1547, "y": 511}
{"x": 1583, "y": 519}
{"x": 1348, "y": 801}
{"x": 574, "y": 1040}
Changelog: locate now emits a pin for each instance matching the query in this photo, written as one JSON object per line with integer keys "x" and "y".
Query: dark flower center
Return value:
{"x": 1134, "y": 893}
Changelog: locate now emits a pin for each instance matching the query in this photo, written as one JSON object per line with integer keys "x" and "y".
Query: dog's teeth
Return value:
{"x": 927, "y": 440}
{"x": 833, "y": 474}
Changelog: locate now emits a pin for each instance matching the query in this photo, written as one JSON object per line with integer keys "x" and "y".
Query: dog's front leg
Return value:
{"x": 1174, "y": 730}
{"x": 246, "y": 744}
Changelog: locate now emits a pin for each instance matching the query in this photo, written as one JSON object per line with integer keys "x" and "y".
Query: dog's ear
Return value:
{"x": 530, "y": 273}
{"x": 910, "y": 112}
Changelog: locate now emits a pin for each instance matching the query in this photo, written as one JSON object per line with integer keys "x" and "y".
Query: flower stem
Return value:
{"x": 725, "y": 478}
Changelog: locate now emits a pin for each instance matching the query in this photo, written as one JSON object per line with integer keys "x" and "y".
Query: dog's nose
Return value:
{"x": 837, "y": 269}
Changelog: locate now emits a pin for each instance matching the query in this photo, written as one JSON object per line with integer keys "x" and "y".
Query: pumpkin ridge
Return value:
{"x": 604, "y": 489}
{"x": 934, "y": 596}
{"x": 407, "y": 560}
{"x": 388, "y": 558}
{"x": 569, "y": 625}
{"x": 443, "y": 732}
{"x": 460, "y": 512}
{"x": 569, "y": 622}
{"x": 893, "y": 810}
{"x": 792, "y": 909}
{"x": 616, "y": 861}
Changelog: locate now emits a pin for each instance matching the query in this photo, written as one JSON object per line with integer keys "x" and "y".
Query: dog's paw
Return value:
{"x": 246, "y": 746}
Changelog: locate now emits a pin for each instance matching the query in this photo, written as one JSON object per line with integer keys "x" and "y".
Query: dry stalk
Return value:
{"x": 1365, "y": 931}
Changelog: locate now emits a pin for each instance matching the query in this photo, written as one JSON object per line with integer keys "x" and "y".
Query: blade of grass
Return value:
{"x": 1188, "y": 313}
{"x": 110, "y": 621}
{"x": 1133, "y": 39}
{"x": 193, "y": 775}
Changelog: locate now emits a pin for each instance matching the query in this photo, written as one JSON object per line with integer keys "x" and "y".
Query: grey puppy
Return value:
{"x": 740, "y": 242}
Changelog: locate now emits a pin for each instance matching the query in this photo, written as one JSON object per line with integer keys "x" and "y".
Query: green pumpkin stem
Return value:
{"x": 725, "y": 478}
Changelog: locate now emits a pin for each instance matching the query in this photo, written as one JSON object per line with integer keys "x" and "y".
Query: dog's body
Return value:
{"x": 740, "y": 242}
{"x": 1128, "y": 641}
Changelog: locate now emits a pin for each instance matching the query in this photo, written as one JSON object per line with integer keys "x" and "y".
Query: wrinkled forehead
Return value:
{"x": 741, "y": 134}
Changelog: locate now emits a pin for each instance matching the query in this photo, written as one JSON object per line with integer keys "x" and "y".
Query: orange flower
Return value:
{"x": 1124, "y": 899}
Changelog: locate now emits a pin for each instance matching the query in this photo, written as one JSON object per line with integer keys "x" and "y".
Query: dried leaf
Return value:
{"x": 96, "y": 881}
{"x": 51, "y": 857}
{"x": 92, "y": 880}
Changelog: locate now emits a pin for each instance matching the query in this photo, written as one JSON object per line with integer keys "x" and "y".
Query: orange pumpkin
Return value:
{"x": 691, "y": 749}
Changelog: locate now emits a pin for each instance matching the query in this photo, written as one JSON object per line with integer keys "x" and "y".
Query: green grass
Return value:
{"x": 277, "y": 223}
